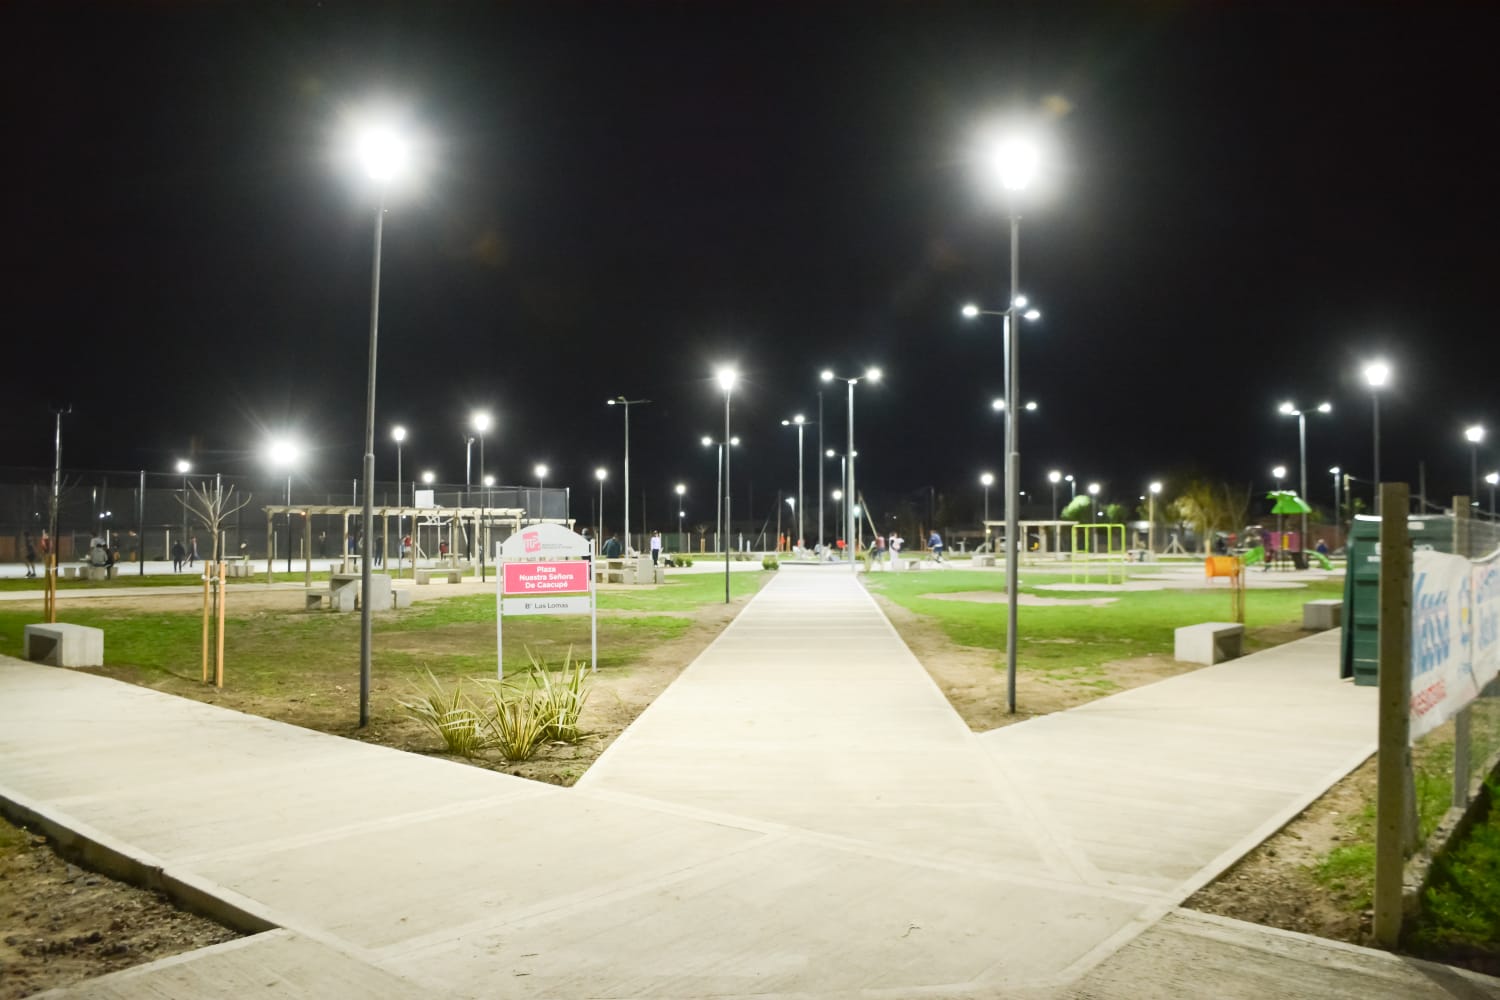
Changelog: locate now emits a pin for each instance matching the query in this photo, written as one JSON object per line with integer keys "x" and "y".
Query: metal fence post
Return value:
{"x": 1393, "y": 762}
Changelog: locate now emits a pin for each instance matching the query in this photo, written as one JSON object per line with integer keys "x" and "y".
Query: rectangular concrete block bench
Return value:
{"x": 984, "y": 560}
{"x": 1209, "y": 642}
{"x": 63, "y": 645}
{"x": 913, "y": 564}
{"x": 402, "y": 597}
{"x": 424, "y": 575}
{"x": 1322, "y": 615}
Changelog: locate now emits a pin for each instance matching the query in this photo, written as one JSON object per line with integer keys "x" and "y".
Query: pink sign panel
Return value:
{"x": 547, "y": 578}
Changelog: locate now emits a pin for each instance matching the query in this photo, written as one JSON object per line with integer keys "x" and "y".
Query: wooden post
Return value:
{"x": 219, "y": 661}
{"x": 1393, "y": 760}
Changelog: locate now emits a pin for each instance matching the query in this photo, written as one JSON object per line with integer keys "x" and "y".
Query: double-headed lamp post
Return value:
{"x": 872, "y": 375}
{"x": 1377, "y": 376}
{"x": 726, "y": 376}
{"x": 1290, "y": 409}
{"x": 384, "y": 155}
{"x": 1475, "y": 436}
{"x": 621, "y": 401}
{"x": 799, "y": 422}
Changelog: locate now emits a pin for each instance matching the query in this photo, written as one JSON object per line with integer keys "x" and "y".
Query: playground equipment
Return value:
{"x": 1086, "y": 541}
{"x": 1232, "y": 567}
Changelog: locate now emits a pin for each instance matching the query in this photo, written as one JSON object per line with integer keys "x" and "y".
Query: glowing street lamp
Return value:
{"x": 1475, "y": 436}
{"x": 726, "y": 376}
{"x": 600, "y": 474}
{"x": 1278, "y": 473}
{"x": 871, "y": 375}
{"x": 800, "y": 422}
{"x": 384, "y": 154}
{"x": 1290, "y": 410}
{"x": 283, "y": 453}
{"x": 987, "y": 479}
{"x": 1053, "y": 478}
{"x": 1152, "y": 491}
{"x": 621, "y": 401}
{"x": 681, "y": 489}
{"x": 1377, "y": 375}
{"x": 184, "y": 467}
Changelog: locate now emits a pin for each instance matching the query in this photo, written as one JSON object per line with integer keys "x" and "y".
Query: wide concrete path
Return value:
{"x": 800, "y": 814}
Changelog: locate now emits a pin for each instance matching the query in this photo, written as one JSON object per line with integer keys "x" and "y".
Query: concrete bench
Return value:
{"x": 983, "y": 560}
{"x": 913, "y": 564}
{"x": 1209, "y": 642}
{"x": 71, "y": 572}
{"x": 62, "y": 645}
{"x": 99, "y": 572}
{"x": 401, "y": 597}
{"x": 1322, "y": 615}
{"x": 424, "y": 575}
{"x": 238, "y": 568}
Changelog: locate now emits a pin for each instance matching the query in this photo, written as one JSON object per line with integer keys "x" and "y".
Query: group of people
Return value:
{"x": 614, "y": 550}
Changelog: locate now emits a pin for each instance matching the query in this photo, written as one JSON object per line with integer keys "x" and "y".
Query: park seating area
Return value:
{"x": 1208, "y": 642}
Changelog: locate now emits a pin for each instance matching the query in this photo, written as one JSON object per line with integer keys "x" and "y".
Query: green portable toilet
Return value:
{"x": 1360, "y": 657}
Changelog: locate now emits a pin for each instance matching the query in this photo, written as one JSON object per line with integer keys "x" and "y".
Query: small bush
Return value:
{"x": 454, "y": 718}
{"x": 518, "y": 725}
{"x": 560, "y": 703}
{"x": 770, "y": 562}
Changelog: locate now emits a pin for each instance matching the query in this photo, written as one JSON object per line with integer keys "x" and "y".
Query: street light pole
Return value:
{"x": 1292, "y": 410}
{"x": 481, "y": 422}
{"x": 726, "y": 378}
{"x": 1377, "y": 374}
{"x": 820, "y": 475}
{"x": 681, "y": 489}
{"x": 1493, "y": 478}
{"x": 627, "y": 404}
{"x": 399, "y": 435}
{"x": 800, "y": 422}
{"x": 986, "y": 480}
{"x": 600, "y": 474}
{"x": 1474, "y": 435}
{"x": 1152, "y": 491}
{"x": 852, "y": 501}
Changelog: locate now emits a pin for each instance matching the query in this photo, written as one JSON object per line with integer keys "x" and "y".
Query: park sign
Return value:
{"x": 545, "y": 569}
{"x": 1455, "y": 634}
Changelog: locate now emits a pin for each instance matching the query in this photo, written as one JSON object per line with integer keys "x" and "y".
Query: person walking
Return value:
{"x": 877, "y": 550}
{"x": 179, "y": 556}
{"x": 655, "y": 547}
{"x": 30, "y": 555}
{"x": 192, "y": 553}
{"x": 612, "y": 547}
{"x": 894, "y": 543}
{"x": 935, "y": 543}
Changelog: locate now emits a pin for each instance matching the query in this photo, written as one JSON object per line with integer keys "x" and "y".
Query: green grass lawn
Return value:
{"x": 129, "y": 577}
{"x": 1074, "y": 639}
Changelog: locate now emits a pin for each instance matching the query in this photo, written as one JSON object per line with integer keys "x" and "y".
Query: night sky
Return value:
{"x": 1242, "y": 203}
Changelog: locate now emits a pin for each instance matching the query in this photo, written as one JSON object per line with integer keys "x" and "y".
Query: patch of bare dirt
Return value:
{"x": 61, "y": 924}
{"x": 1274, "y": 885}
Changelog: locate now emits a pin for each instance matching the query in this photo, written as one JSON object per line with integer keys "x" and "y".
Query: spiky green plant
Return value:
{"x": 561, "y": 702}
{"x": 518, "y": 725}
{"x": 453, "y": 717}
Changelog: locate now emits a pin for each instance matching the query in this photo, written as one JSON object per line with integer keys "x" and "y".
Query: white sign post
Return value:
{"x": 545, "y": 569}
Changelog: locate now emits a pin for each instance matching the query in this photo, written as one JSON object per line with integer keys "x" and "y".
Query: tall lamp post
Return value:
{"x": 986, "y": 479}
{"x": 1278, "y": 473}
{"x": 1493, "y": 478}
{"x": 627, "y": 404}
{"x": 398, "y": 435}
{"x": 799, "y": 422}
{"x": 1053, "y": 478}
{"x": 873, "y": 375}
{"x": 1151, "y": 492}
{"x": 1338, "y": 515}
{"x": 480, "y": 421}
{"x": 1475, "y": 436}
{"x": 681, "y": 489}
{"x": 820, "y": 474}
{"x": 726, "y": 378}
{"x": 600, "y": 474}
{"x": 1290, "y": 410}
{"x": 384, "y": 156}
{"x": 184, "y": 467}
{"x": 541, "y": 488}
{"x": 1377, "y": 375}
{"x": 283, "y": 453}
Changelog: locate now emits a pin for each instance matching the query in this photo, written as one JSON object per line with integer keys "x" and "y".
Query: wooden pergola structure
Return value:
{"x": 996, "y": 529}
{"x": 484, "y": 518}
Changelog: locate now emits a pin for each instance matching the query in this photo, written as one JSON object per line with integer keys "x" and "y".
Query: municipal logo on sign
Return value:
{"x": 532, "y": 541}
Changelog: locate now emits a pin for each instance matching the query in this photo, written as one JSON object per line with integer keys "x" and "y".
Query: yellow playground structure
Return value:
{"x": 1087, "y": 539}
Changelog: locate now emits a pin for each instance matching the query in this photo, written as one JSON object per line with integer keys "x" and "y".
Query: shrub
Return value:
{"x": 457, "y": 722}
{"x": 769, "y": 562}
{"x": 560, "y": 703}
{"x": 518, "y": 725}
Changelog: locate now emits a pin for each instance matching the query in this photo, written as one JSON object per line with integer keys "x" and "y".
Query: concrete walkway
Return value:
{"x": 799, "y": 815}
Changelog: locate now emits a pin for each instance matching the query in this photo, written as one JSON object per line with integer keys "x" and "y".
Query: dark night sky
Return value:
{"x": 1244, "y": 202}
